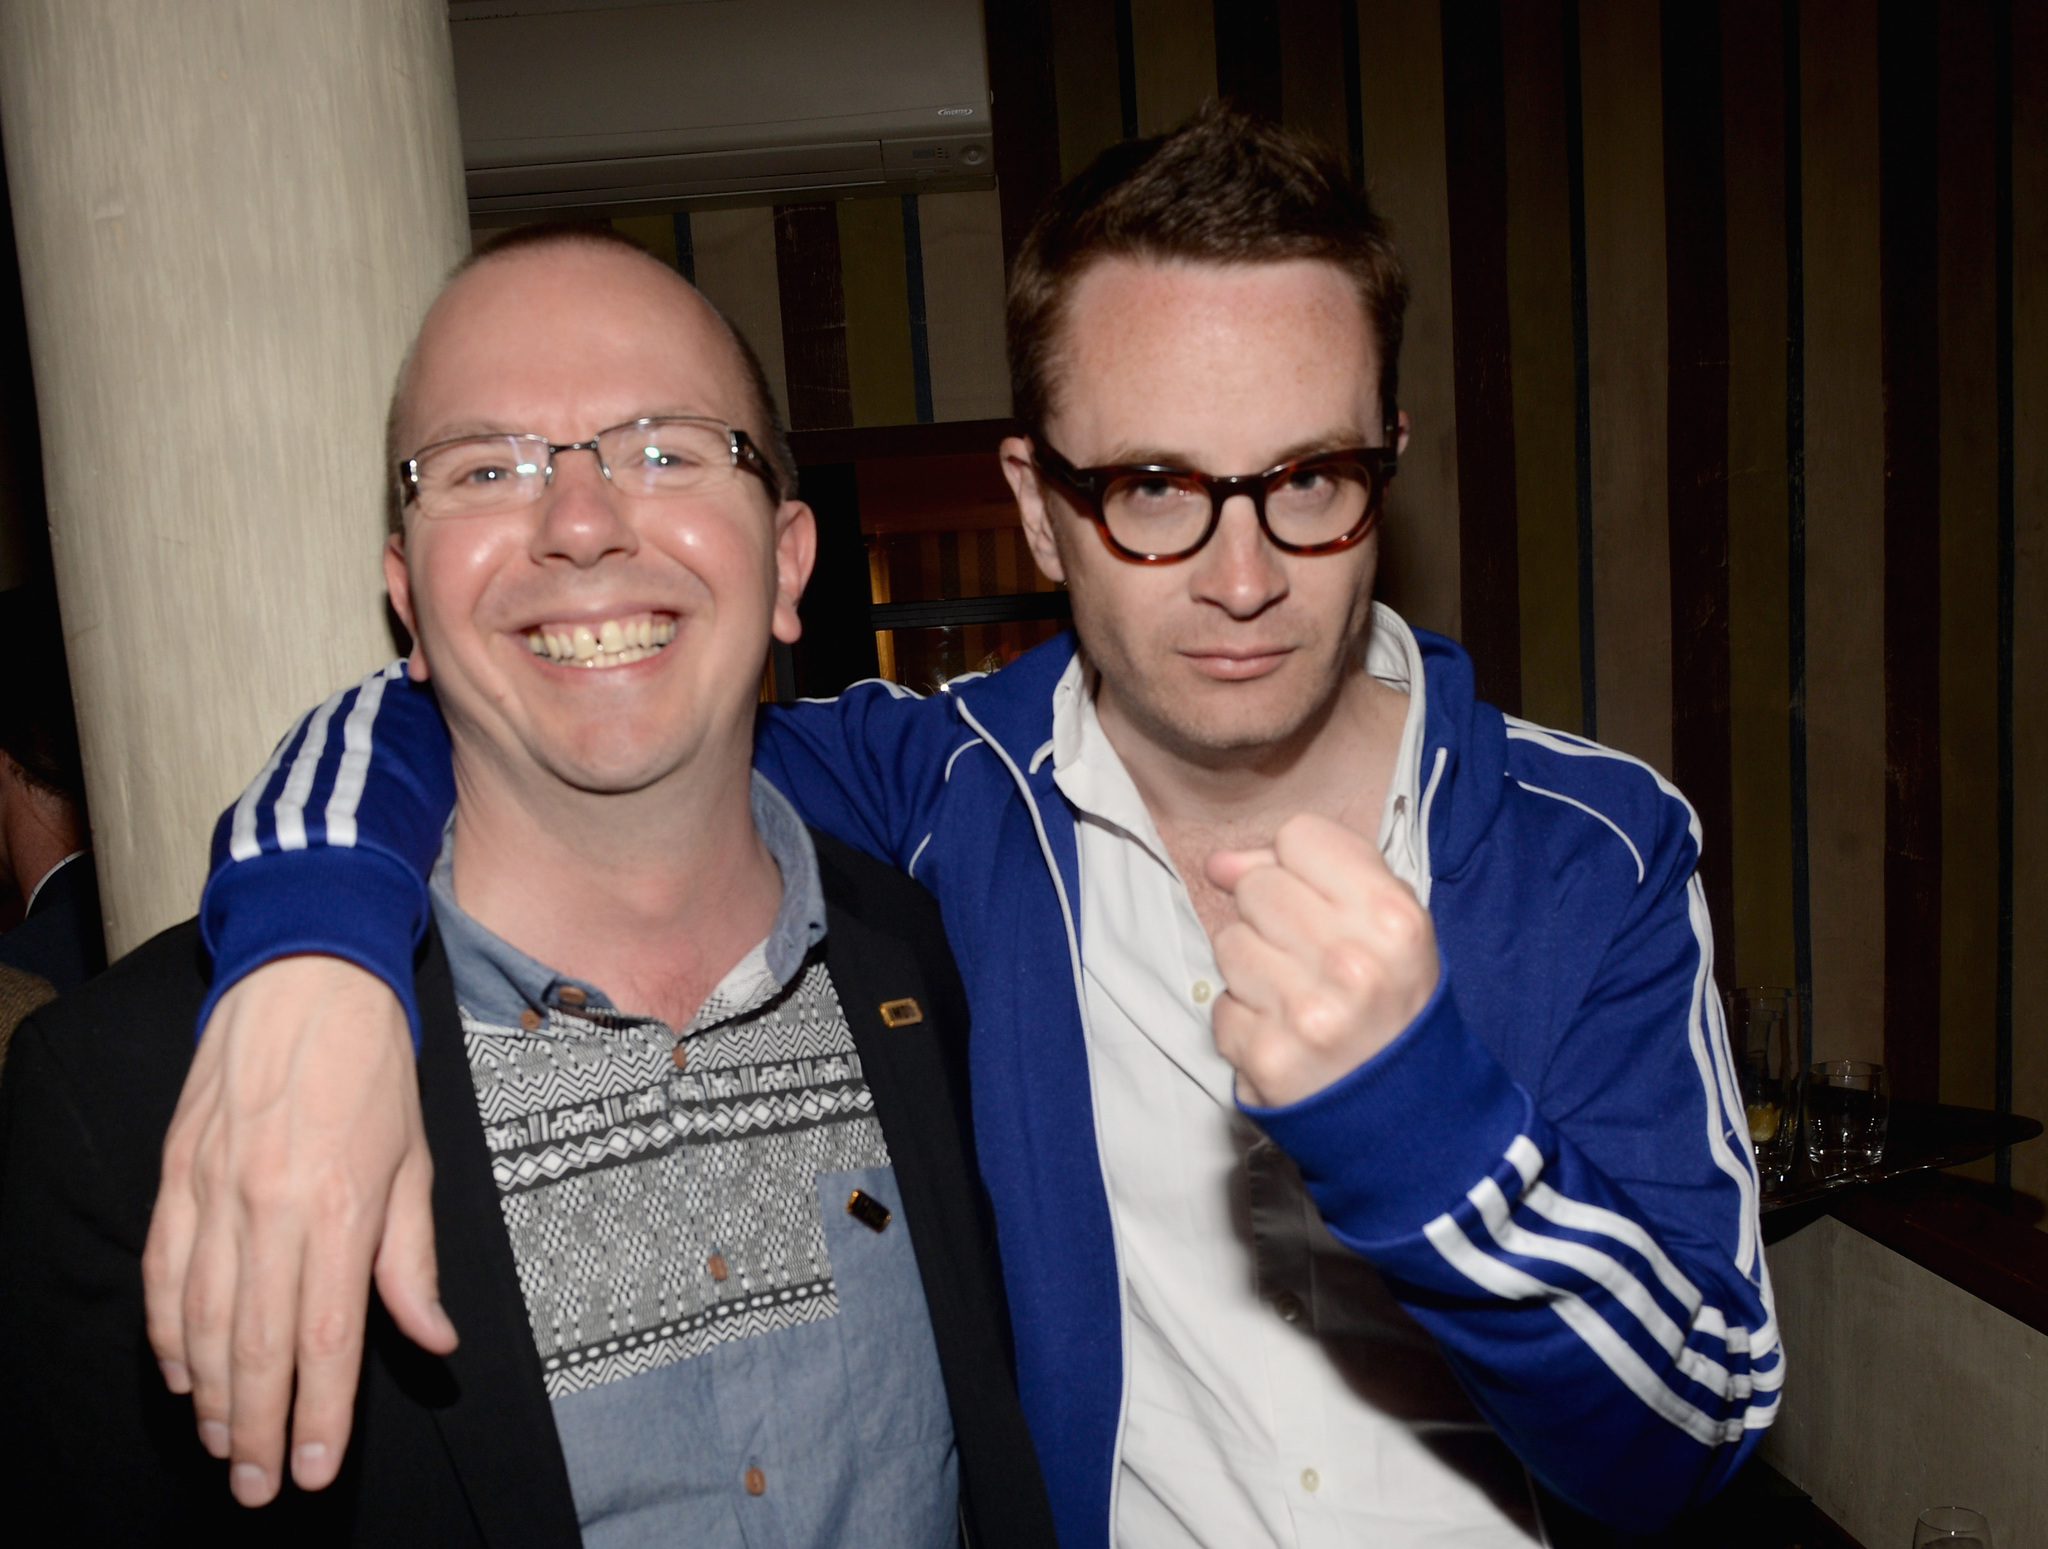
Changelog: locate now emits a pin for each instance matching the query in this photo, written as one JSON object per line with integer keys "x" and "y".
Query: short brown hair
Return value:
{"x": 773, "y": 440}
{"x": 1222, "y": 188}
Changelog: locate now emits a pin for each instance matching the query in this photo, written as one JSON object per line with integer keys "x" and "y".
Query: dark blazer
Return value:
{"x": 60, "y": 939}
{"x": 461, "y": 1451}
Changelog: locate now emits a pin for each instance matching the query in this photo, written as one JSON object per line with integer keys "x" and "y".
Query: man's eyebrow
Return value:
{"x": 1308, "y": 446}
{"x": 461, "y": 430}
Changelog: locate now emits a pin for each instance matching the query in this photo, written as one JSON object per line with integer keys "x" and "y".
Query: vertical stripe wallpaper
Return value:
{"x": 1965, "y": 287}
{"x": 1710, "y": 453}
{"x": 1401, "y": 76}
{"x": 1844, "y": 525}
{"x": 2024, "y": 951}
{"x": 1621, "y": 75}
{"x": 1542, "y": 368}
{"x": 1475, "y": 170}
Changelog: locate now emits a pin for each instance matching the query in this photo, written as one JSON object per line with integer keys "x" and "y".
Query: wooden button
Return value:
{"x": 679, "y": 1056}
{"x": 568, "y": 995}
{"x": 757, "y": 1482}
{"x": 529, "y": 1019}
{"x": 716, "y": 1264}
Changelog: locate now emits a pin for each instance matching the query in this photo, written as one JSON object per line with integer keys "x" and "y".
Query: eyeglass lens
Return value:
{"x": 1159, "y": 513}
{"x": 487, "y": 475}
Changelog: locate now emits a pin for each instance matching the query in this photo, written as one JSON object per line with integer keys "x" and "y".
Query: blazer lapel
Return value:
{"x": 498, "y": 1426}
{"x": 910, "y": 1028}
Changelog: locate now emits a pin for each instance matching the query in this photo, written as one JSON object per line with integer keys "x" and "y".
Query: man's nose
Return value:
{"x": 1238, "y": 569}
{"x": 583, "y": 517}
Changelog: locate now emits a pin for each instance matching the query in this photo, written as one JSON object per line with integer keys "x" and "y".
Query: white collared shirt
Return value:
{"x": 1271, "y": 1383}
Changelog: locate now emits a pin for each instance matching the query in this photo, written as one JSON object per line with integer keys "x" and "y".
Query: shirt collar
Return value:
{"x": 37, "y": 891}
{"x": 495, "y": 981}
{"x": 1094, "y": 779}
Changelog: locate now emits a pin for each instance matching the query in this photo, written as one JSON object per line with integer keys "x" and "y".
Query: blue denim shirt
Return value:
{"x": 733, "y": 1358}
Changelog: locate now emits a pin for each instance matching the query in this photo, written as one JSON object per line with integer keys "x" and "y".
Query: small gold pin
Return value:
{"x": 867, "y": 1210}
{"x": 901, "y": 1013}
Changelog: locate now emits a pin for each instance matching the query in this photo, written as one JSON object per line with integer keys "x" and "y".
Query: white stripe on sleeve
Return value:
{"x": 355, "y": 758}
{"x": 1612, "y": 1277}
{"x": 1620, "y": 1357}
{"x": 289, "y": 814}
{"x": 243, "y": 844}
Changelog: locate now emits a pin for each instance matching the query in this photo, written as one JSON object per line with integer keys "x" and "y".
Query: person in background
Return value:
{"x": 1347, "y": 1074}
{"x": 45, "y": 838}
{"x": 691, "y": 1078}
{"x": 20, "y": 993}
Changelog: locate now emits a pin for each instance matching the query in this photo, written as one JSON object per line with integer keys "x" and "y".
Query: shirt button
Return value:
{"x": 680, "y": 1056}
{"x": 757, "y": 1482}
{"x": 529, "y": 1019}
{"x": 716, "y": 1264}
{"x": 1201, "y": 992}
{"x": 1288, "y": 1305}
{"x": 568, "y": 995}
{"x": 1310, "y": 1481}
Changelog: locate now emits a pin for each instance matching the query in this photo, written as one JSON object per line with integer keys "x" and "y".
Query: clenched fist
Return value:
{"x": 1331, "y": 956}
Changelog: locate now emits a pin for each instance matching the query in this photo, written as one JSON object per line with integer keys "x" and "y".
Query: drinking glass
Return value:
{"x": 1763, "y": 1035}
{"x": 1954, "y": 1527}
{"x": 1847, "y": 1114}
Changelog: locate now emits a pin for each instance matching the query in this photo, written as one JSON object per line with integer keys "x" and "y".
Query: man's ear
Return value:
{"x": 1022, "y": 472}
{"x": 1401, "y": 433}
{"x": 796, "y": 551}
{"x": 398, "y": 585}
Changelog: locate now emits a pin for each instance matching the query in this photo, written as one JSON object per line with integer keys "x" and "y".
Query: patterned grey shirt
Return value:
{"x": 714, "y": 1327}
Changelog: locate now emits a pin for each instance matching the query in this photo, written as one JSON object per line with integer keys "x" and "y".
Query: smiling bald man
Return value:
{"x": 691, "y": 1077}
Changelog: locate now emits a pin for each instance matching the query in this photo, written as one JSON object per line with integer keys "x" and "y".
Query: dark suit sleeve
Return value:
{"x": 93, "y": 1448}
{"x": 81, "y": 1405}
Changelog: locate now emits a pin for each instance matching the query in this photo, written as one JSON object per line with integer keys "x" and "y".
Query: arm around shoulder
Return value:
{"x": 329, "y": 848}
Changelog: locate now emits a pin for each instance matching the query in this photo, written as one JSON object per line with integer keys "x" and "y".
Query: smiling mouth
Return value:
{"x": 615, "y": 642}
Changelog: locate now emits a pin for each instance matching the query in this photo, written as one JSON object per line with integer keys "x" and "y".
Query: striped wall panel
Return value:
{"x": 2023, "y": 665}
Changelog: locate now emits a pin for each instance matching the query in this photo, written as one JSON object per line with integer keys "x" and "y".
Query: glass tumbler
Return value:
{"x": 1763, "y": 1036}
{"x": 1955, "y": 1527}
{"x": 1847, "y": 1114}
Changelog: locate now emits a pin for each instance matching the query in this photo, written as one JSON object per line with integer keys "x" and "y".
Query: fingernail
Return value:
{"x": 176, "y": 1378}
{"x": 250, "y": 1484}
{"x": 213, "y": 1436}
{"x": 308, "y": 1454}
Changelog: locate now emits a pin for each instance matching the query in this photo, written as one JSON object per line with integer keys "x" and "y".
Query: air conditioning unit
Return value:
{"x": 573, "y": 107}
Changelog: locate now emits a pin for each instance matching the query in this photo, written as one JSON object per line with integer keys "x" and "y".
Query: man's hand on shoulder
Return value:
{"x": 296, "y": 1162}
{"x": 1331, "y": 957}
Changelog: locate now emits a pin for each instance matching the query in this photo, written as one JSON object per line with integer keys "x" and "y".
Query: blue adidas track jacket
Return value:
{"x": 1549, "y": 1166}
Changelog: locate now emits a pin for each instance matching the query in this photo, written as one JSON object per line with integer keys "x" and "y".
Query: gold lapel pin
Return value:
{"x": 901, "y": 1013}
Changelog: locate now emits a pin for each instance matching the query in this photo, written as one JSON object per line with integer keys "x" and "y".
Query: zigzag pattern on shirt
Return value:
{"x": 566, "y": 1062}
{"x": 620, "y": 1071}
{"x": 621, "y": 1178}
{"x": 522, "y": 1162}
{"x": 626, "y": 1249}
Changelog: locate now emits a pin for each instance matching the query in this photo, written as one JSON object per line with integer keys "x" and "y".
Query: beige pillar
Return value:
{"x": 230, "y": 215}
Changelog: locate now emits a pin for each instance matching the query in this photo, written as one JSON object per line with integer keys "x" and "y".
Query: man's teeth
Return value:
{"x": 613, "y": 643}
